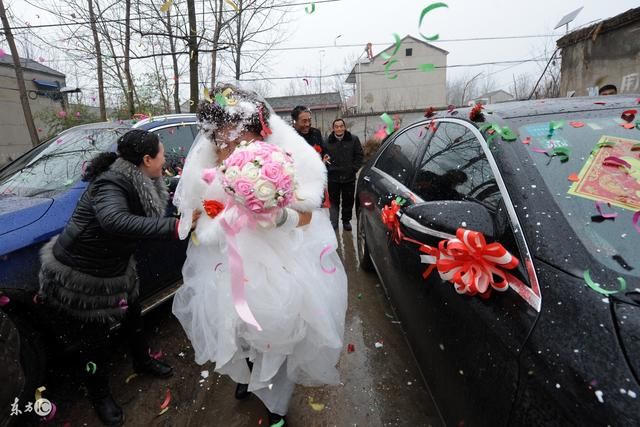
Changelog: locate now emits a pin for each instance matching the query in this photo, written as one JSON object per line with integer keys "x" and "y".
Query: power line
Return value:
{"x": 155, "y": 18}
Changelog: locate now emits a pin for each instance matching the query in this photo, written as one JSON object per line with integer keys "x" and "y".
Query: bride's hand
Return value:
{"x": 194, "y": 219}
{"x": 304, "y": 218}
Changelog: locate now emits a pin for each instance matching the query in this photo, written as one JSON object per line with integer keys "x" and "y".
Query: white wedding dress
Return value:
{"x": 296, "y": 286}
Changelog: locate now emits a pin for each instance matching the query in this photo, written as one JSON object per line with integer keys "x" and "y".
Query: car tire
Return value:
{"x": 366, "y": 264}
{"x": 29, "y": 361}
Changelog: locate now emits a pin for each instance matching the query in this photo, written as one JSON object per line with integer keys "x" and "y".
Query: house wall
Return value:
{"x": 15, "y": 139}
{"x": 412, "y": 89}
{"x": 614, "y": 58}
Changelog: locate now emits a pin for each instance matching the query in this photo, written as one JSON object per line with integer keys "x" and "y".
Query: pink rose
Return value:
{"x": 284, "y": 184}
{"x": 254, "y": 204}
{"x": 273, "y": 171}
{"x": 243, "y": 187}
{"x": 239, "y": 158}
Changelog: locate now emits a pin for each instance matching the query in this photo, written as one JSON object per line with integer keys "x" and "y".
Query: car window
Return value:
{"x": 58, "y": 164}
{"x": 600, "y": 169}
{"x": 399, "y": 157}
{"x": 177, "y": 141}
{"x": 454, "y": 167}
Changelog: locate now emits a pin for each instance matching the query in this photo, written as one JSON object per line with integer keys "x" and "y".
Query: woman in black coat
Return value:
{"x": 88, "y": 272}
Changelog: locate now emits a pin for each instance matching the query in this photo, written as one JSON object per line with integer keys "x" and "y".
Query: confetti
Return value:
{"x": 351, "y": 348}
{"x": 166, "y": 6}
{"x": 387, "y": 67}
{"x": 233, "y": 5}
{"x": 576, "y": 124}
{"x": 165, "y": 404}
{"x": 388, "y": 121}
{"x": 4, "y": 300}
{"x": 360, "y": 296}
{"x": 206, "y": 95}
{"x": 396, "y": 48}
{"x": 157, "y": 355}
{"x": 527, "y": 140}
{"x": 378, "y": 344}
{"x": 2, "y": 53}
{"x": 573, "y": 177}
{"x": 123, "y": 304}
{"x": 562, "y": 152}
{"x": 310, "y": 8}
{"x": 635, "y": 220}
{"x": 315, "y": 406}
{"x": 596, "y": 286}
{"x": 41, "y": 59}
{"x": 629, "y": 115}
{"x": 324, "y": 252}
{"x": 204, "y": 374}
{"x": 306, "y": 81}
{"x": 426, "y": 68}
{"x": 422, "y": 15}
{"x": 599, "y": 395}
{"x": 91, "y": 368}
{"x": 605, "y": 215}
{"x": 130, "y": 377}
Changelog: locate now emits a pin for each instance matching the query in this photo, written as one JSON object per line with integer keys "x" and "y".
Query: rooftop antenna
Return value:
{"x": 568, "y": 18}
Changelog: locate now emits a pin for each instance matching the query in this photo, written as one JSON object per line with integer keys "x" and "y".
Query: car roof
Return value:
{"x": 166, "y": 119}
{"x": 540, "y": 107}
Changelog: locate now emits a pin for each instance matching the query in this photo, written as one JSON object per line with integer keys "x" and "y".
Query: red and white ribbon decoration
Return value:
{"x": 472, "y": 265}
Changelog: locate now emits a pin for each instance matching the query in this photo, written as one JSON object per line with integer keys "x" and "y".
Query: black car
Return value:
{"x": 38, "y": 194}
{"x": 556, "y": 183}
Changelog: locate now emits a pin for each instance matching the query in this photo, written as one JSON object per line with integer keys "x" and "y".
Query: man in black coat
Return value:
{"x": 301, "y": 119}
{"x": 345, "y": 159}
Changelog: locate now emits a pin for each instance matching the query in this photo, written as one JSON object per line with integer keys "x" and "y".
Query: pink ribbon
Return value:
{"x": 236, "y": 267}
{"x": 615, "y": 161}
{"x": 325, "y": 251}
{"x": 634, "y": 221}
{"x": 605, "y": 215}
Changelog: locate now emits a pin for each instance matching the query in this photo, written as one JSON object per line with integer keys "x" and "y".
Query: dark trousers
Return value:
{"x": 95, "y": 347}
{"x": 346, "y": 192}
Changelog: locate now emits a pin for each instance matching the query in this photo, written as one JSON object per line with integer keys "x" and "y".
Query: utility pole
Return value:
{"x": 24, "y": 99}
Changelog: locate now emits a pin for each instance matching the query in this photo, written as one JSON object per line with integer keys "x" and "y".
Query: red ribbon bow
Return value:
{"x": 472, "y": 265}
{"x": 212, "y": 207}
{"x": 390, "y": 219}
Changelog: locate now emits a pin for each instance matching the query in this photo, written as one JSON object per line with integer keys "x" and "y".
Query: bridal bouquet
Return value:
{"x": 259, "y": 176}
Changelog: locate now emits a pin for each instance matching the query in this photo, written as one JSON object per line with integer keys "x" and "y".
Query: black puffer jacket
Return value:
{"x": 108, "y": 221}
{"x": 346, "y": 157}
{"x": 89, "y": 269}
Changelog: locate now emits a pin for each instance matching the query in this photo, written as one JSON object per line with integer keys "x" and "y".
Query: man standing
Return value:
{"x": 301, "y": 117}
{"x": 345, "y": 159}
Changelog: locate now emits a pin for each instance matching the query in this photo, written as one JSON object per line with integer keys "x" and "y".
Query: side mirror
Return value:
{"x": 448, "y": 216}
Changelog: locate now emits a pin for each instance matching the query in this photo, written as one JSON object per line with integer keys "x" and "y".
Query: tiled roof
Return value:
{"x": 621, "y": 20}
{"x": 312, "y": 101}
{"x": 30, "y": 64}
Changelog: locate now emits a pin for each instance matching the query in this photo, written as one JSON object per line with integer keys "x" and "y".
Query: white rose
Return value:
{"x": 232, "y": 173}
{"x": 265, "y": 190}
{"x": 251, "y": 172}
{"x": 277, "y": 157}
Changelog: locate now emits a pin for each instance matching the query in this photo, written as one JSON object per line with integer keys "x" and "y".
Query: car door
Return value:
{"x": 160, "y": 261}
{"x": 387, "y": 179}
{"x": 467, "y": 346}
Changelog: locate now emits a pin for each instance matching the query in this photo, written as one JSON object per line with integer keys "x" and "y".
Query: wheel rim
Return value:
{"x": 361, "y": 239}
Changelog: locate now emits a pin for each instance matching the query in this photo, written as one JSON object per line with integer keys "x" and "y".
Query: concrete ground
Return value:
{"x": 381, "y": 386}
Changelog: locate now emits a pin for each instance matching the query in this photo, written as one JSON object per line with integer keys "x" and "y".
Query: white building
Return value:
{"x": 377, "y": 91}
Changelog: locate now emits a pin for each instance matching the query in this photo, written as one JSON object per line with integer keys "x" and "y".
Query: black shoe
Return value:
{"x": 242, "y": 391}
{"x": 276, "y": 420}
{"x": 153, "y": 367}
{"x": 346, "y": 226}
{"x": 108, "y": 411}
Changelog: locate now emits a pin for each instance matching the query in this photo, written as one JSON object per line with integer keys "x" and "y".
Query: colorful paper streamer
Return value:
{"x": 423, "y": 14}
{"x": 599, "y": 289}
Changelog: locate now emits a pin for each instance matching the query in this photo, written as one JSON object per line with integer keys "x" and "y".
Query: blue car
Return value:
{"x": 38, "y": 193}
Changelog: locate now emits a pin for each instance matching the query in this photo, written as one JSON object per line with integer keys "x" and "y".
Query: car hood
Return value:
{"x": 17, "y": 212}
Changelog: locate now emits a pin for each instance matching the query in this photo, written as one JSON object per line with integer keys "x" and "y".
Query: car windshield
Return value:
{"x": 56, "y": 164}
{"x": 592, "y": 167}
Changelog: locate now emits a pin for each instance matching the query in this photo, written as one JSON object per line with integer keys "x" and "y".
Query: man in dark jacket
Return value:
{"x": 345, "y": 158}
{"x": 301, "y": 119}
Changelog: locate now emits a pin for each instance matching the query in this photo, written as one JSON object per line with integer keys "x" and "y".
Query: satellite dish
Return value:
{"x": 568, "y": 18}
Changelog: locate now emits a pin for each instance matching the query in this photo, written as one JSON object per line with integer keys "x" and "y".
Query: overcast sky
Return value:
{"x": 357, "y": 22}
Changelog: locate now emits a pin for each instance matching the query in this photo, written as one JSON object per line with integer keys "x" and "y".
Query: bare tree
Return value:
{"x": 98, "y": 50}
{"x": 521, "y": 86}
{"x": 24, "y": 99}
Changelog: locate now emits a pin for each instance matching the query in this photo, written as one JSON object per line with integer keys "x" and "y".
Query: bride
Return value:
{"x": 294, "y": 282}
